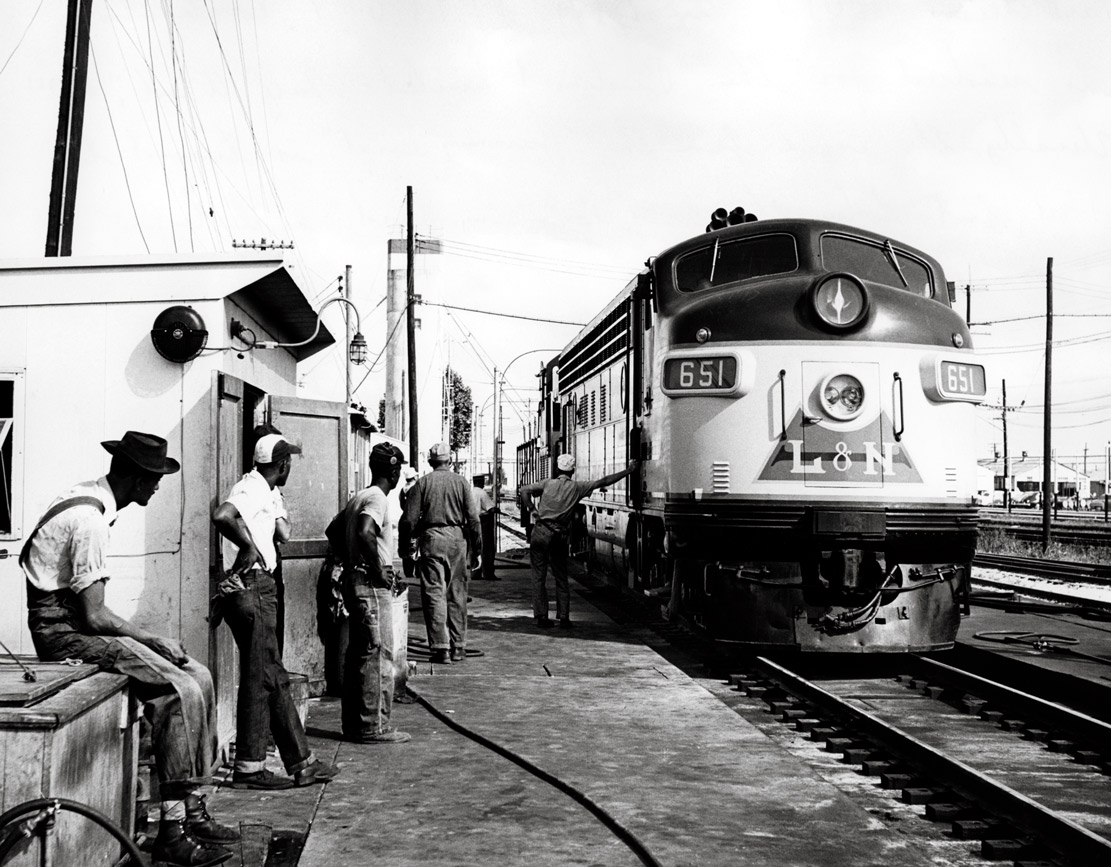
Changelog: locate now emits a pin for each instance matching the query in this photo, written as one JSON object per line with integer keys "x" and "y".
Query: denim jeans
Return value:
{"x": 548, "y": 548}
{"x": 442, "y": 569}
{"x": 178, "y": 701}
{"x": 368, "y": 670}
{"x": 264, "y": 705}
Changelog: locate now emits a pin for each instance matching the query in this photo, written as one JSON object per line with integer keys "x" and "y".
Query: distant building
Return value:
{"x": 1026, "y": 476}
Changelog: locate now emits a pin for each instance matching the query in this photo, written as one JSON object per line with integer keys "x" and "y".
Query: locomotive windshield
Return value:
{"x": 876, "y": 263}
{"x": 730, "y": 261}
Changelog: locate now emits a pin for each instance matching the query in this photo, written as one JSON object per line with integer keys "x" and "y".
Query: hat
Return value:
{"x": 273, "y": 448}
{"x": 439, "y": 452}
{"x": 566, "y": 463}
{"x": 408, "y": 473}
{"x": 386, "y": 456}
{"x": 146, "y": 451}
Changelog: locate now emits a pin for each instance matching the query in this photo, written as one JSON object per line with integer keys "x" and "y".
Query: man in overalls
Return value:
{"x": 65, "y": 561}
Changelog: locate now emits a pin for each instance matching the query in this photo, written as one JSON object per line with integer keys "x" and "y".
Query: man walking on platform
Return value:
{"x": 488, "y": 522}
{"x": 65, "y": 561}
{"x": 369, "y": 586}
{"x": 250, "y": 520}
{"x": 444, "y": 523}
{"x": 551, "y": 526}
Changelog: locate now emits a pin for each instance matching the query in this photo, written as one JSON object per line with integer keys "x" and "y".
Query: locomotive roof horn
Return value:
{"x": 721, "y": 218}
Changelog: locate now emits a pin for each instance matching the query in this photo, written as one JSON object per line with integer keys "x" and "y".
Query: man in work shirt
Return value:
{"x": 65, "y": 561}
{"x": 488, "y": 521}
{"x": 250, "y": 520}
{"x": 444, "y": 523}
{"x": 369, "y": 586}
{"x": 552, "y": 524}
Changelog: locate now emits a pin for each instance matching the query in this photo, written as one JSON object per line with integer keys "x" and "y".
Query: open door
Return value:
{"x": 228, "y": 413}
{"x": 316, "y": 490}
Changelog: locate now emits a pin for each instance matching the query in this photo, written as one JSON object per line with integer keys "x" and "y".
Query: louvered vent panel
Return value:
{"x": 720, "y": 476}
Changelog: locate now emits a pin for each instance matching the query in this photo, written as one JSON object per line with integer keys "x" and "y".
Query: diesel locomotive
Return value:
{"x": 800, "y": 396}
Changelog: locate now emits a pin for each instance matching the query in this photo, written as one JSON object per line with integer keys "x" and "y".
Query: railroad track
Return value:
{"x": 1091, "y": 573}
{"x": 1075, "y": 531}
{"x": 1026, "y": 778}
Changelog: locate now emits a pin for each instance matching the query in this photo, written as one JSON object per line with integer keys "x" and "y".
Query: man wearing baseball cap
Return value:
{"x": 369, "y": 586}
{"x": 559, "y": 496}
{"x": 444, "y": 523}
{"x": 251, "y": 520}
{"x": 65, "y": 561}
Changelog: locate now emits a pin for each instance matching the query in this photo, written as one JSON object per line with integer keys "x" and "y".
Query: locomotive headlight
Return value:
{"x": 842, "y": 396}
{"x": 839, "y": 300}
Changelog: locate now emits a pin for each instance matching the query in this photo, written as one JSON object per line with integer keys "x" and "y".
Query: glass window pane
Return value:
{"x": 727, "y": 262}
{"x": 870, "y": 261}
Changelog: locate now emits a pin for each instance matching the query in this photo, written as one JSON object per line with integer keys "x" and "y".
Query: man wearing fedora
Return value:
{"x": 251, "y": 520}
{"x": 444, "y": 523}
{"x": 65, "y": 561}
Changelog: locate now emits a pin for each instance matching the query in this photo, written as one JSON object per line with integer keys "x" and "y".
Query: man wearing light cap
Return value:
{"x": 251, "y": 520}
{"x": 444, "y": 523}
{"x": 552, "y": 524}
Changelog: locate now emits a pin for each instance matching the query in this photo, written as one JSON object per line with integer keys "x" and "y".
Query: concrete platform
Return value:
{"x": 692, "y": 780}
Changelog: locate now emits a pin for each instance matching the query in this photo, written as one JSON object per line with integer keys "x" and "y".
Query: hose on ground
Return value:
{"x": 620, "y": 831}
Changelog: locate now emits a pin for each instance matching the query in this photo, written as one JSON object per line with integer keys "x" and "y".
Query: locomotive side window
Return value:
{"x": 727, "y": 262}
{"x": 876, "y": 263}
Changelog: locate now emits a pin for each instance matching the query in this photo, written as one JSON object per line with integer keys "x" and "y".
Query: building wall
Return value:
{"x": 90, "y": 372}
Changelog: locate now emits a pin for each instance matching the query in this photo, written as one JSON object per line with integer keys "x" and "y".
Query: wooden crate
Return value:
{"x": 77, "y": 738}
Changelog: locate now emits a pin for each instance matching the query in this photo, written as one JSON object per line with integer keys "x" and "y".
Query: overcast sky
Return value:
{"x": 554, "y": 146}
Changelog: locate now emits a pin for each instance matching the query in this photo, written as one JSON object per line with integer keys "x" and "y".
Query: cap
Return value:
{"x": 439, "y": 452}
{"x": 566, "y": 463}
{"x": 385, "y": 456}
{"x": 273, "y": 448}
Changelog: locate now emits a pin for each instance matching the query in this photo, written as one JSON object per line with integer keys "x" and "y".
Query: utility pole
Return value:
{"x": 1047, "y": 424}
{"x": 1006, "y": 455}
{"x": 71, "y": 122}
{"x": 346, "y": 289}
{"x": 411, "y": 330}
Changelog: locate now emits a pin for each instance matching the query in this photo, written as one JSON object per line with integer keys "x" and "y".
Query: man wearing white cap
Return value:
{"x": 250, "y": 520}
{"x": 444, "y": 523}
{"x": 552, "y": 524}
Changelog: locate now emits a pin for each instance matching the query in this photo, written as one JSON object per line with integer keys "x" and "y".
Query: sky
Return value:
{"x": 554, "y": 146}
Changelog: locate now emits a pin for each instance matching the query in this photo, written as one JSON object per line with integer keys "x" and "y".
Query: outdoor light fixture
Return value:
{"x": 356, "y": 351}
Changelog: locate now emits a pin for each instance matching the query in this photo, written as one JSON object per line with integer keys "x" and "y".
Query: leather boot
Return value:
{"x": 176, "y": 847}
{"x": 201, "y": 825}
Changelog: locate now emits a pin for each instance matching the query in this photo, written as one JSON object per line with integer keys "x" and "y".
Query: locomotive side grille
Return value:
{"x": 720, "y": 477}
{"x": 607, "y": 339}
{"x": 794, "y": 518}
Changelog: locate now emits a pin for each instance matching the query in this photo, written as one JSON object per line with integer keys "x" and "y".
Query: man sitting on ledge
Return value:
{"x": 65, "y": 561}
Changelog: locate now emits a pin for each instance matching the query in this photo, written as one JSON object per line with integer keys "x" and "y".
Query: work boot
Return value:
{"x": 565, "y": 623}
{"x": 176, "y": 847}
{"x": 265, "y": 779}
{"x": 544, "y": 622}
{"x": 201, "y": 825}
{"x": 317, "y": 772}
{"x": 440, "y": 657}
{"x": 458, "y": 654}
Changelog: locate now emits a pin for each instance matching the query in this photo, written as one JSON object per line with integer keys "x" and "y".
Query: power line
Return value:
{"x": 506, "y": 315}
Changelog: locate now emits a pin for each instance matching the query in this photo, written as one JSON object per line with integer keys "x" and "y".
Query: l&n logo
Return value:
{"x": 815, "y": 452}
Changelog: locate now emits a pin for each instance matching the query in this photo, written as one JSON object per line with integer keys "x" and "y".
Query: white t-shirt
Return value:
{"x": 260, "y": 506}
{"x": 373, "y": 503}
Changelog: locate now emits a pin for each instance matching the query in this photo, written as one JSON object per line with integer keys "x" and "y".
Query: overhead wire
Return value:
{"x": 23, "y": 36}
{"x": 119, "y": 150}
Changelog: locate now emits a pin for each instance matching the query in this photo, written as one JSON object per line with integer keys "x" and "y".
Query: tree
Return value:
{"x": 462, "y": 407}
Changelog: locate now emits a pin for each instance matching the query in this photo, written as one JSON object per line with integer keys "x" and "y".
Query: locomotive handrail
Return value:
{"x": 783, "y": 404}
{"x": 897, "y": 391}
